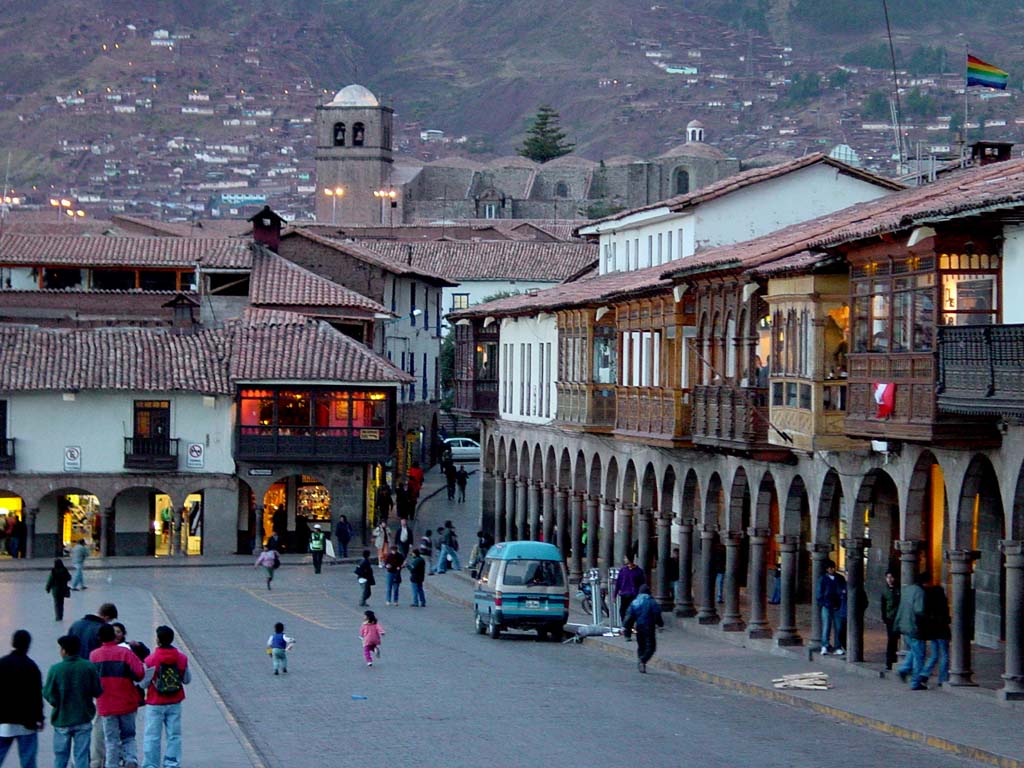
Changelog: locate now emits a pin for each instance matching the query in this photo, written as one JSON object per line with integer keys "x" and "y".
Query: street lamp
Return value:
{"x": 388, "y": 195}
{"x": 334, "y": 193}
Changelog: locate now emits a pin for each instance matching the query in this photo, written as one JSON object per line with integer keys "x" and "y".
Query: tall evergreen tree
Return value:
{"x": 545, "y": 140}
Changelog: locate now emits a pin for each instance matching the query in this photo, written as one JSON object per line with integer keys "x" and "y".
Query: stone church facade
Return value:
{"x": 354, "y": 155}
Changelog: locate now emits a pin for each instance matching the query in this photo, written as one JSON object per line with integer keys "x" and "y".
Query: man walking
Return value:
{"x": 71, "y": 685}
{"x": 450, "y": 478}
{"x": 343, "y": 530}
{"x": 317, "y": 543}
{"x": 645, "y": 613}
{"x": 79, "y": 554}
{"x": 627, "y": 586}
{"x": 417, "y": 573}
{"x": 936, "y": 631}
{"x": 461, "y": 478}
{"x": 909, "y": 623}
{"x": 393, "y": 569}
{"x": 403, "y": 537}
{"x": 890, "y": 603}
{"x": 86, "y": 629}
{"x": 21, "y": 705}
{"x": 119, "y": 669}
{"x": 167, "y": 674}
{"x": 831, "y": 588}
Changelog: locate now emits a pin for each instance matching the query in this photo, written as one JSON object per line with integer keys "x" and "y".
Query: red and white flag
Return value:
{"x": 885, "y": 399}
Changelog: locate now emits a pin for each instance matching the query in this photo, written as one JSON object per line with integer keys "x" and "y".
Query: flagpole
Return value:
{"x": 963, "y": 141}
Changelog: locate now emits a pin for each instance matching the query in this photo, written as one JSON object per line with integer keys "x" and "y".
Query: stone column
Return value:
{"x": 547, "y": 500}
{"x": 854, "y": 597}
{"x": 1013, "y": 677}
{"x": 30, "y": 542}
{"x": 707, "y": 613}
{"x": 522, "y": 486}
{"x": 499, "y": 506}
{"x": 593, "y": 529}
{"x": 787, "y": 632}
{"x": 961, "y": 565}
{"x": 732, "y": 620}
{"x": 535, "y": 500}
{"x": 510, "y": 507}
{"x": 607, "y": 541}
{"x": 576, "y": 533}
{"x": 644, "y": 556}
{"x": 623, "y": 531}
{"x": 487, "y": 505}
{"x": 685, "y": 608}
{"x": 561, "y": 520}
{"x": 909, "y": 554}
{"x": 105, "y": 513}
{"x": 819, "y": 556}
{"x": 758, "y": 627}
{"x": 664, "y": 593}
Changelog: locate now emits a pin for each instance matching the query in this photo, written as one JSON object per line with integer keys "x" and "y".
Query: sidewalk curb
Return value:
{"x": 780, "y": 697}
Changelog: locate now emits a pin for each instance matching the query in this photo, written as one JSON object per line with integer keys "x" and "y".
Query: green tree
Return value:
{"x": 875, "y": 106}
{"x": 545, "y": 139}
{"x": 839, "y": 79}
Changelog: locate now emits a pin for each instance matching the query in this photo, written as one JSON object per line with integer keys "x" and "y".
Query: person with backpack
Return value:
{"x": 167, "y": 674}
{"x": 270, "y": 561}
{"x": 119, "y": 670}
{"x": 278, "y": 645}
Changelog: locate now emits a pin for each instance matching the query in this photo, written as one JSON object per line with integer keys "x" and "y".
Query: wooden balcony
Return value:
{"x": 981, "y": 370}
{"x": 158, "y": 454}
{"x": 915, "y": 416}
{"x": 653, "y": 413}
{"x": 590, "y": 407}
{"x": 7, "y": 463}
{"x": 477, "y": 399}
{"x": 732, "y": 418}
{"x": 358, "y": 445}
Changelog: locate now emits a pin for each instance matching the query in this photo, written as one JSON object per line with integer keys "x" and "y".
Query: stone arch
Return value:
{"x": 565, "y": 470}
{"x": 876, "y": 515}
{"x": 513, "y": 459}
{"x": 580, "y": 478}
{"x": 980, "y": 525}
{"x": 338, "y": 134}
{"x": 142, "y": 523}
{"x": 524, "y": 461}
{"x": 611, "y": 481}
{"x": 797, "y": 506}
{"x": 537, "y": 467}
{"x": 629, "y": 484}
{"x": 691, "y": 506}
{"x": 924, "y": 515}
{"x": 649, "y": 488}
{"x": 766, "y": 508}
{"x": 830, "y": 506}
{"x": 714, "y": 504}
{"x": 680, "y": 181}
{"x": 490, "y": 458}
{"x": 1015, "y": 527}
{"x": 667, "y": 506}
{"x": 358, "y": 134}
{"x": 502, "y": 456}
{"x": 561, "y": 189}
{"x": 738, "y": 515}
{"x": 594, "y": 484}
{"x": 551, "y": 467}
{"x": 55, "y": 506}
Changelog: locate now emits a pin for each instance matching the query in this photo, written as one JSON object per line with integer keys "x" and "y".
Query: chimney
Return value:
{"x": 988, "y": 152}
{"x": 266, "y": 228}
{"x": 183, "y": 315}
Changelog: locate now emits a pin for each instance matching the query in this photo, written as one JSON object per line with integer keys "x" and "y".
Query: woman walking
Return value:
{"x": 58, "y": 586}
{"x": 381, "y": 540}
{"x": 269, "y": 561}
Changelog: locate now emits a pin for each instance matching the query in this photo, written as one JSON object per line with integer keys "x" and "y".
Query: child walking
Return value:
{"x": 371, "y": 632}
{"x": 278, "y": 646}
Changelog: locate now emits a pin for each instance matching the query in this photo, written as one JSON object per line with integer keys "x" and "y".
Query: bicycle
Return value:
{"x": 585, "y": 594}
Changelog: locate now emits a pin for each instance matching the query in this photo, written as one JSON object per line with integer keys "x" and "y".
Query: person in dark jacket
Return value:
{"x": 383, "y": 502}
{"x": 936, "y": 632}
{"x": 21, "y": 705}
{"x": 87, "y": 628}
{"x": 364, "y": 571}
{"x": 405, "y": 501}
{"x": 645, "y": 614}
{"x": 830, "y": 599}
{"x": 627, "y": 586}
{"x": 393, "y": 569}
{"x": 910, "y": 624}
{"x": 450, "y": 477}
{"x": 343, "y": 530}
{"x": 890, "y": 603}
{"x": 58, "y": 585}
{"x": 461, "y": 479}
{"x": 71, "y": 685}
{"x": 417, "y": 573}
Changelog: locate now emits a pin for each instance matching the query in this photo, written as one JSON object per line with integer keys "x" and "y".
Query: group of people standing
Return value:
{"x": 95, "y": 691}
{"x": 920, "y": 613}
{"x": 13, "y": 534}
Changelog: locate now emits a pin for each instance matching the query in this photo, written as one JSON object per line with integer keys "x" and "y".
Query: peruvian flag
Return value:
{"x": 885, "y": 399}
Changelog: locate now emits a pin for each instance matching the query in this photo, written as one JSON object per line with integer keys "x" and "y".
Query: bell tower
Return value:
{"x": 353, "y": 158}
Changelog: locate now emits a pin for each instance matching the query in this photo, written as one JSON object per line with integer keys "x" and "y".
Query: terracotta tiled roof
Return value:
{"x": 278, "y": 282}
{"x": 492, "y": 259}
{"x": 282, "y": 346}
{"x": 261, "y": 346}
{"x": 363, "y": 253}
{"x": 171, "y": 252}
{"x": 199, "y": 228}
{"x": 745, "y": 179}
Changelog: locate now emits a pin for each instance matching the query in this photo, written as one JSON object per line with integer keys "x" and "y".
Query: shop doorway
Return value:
{"x": 189, "y": 539}
{"x": 79, "y": 515}
{"x": 291, "y": 507}
{"x": 13, "y": 534}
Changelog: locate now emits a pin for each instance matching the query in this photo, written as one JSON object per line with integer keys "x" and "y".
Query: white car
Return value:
{"x": 463, "y": 448}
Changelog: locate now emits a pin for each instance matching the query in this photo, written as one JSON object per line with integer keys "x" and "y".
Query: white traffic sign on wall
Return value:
{"x": 196, "y": 458}
{"x": 72, "y": 458}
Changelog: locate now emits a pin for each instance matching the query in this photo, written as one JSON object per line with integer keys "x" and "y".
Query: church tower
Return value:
{"x": 353, "y": 159}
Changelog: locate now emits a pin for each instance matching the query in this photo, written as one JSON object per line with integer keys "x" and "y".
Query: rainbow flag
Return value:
{"x": 980, "y": 73}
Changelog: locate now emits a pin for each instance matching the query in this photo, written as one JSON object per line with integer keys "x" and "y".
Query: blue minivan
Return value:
{"x": 522, "y": 585}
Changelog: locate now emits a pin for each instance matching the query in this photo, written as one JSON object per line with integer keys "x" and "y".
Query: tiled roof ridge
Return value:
{"x": 276, "y": 280}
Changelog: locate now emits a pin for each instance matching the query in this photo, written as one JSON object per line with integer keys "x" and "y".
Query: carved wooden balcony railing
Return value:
{"x": 655, "y": 412}
{"x": 981, "y": 370}
{"x": 355, "y": 445}
{"x": 153, "y": 453}
{"x": 589, "y": 406}
{"x": 730, "y": 417}
{"x": 476, "y": 398}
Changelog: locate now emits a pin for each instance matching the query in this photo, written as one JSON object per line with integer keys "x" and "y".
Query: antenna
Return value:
{"x": 895, "y": 89}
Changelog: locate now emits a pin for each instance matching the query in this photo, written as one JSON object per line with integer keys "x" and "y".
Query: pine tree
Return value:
{"x": 545, "y": 140}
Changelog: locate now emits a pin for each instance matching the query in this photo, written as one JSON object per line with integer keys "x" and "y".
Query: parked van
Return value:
{"x": 522, "y": 585}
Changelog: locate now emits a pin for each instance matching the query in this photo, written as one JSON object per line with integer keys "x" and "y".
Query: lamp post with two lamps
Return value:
{"x": 387, "y": 196}
{"x": 335, "y": 193}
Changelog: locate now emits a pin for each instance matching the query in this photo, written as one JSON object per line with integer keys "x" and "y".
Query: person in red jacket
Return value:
{"x": 119, "y": 669}
{"x": 167, "y": 674}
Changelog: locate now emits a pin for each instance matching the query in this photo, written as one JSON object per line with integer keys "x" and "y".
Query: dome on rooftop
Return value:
{"x": 354, "y": 96}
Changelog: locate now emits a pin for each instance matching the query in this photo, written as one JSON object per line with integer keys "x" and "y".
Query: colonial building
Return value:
{"x": 842, "y": 388}
{"x": 355, "y": 159}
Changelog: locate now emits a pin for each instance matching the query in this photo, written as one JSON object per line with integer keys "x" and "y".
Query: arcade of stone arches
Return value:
{"x": 955, "y": 514}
